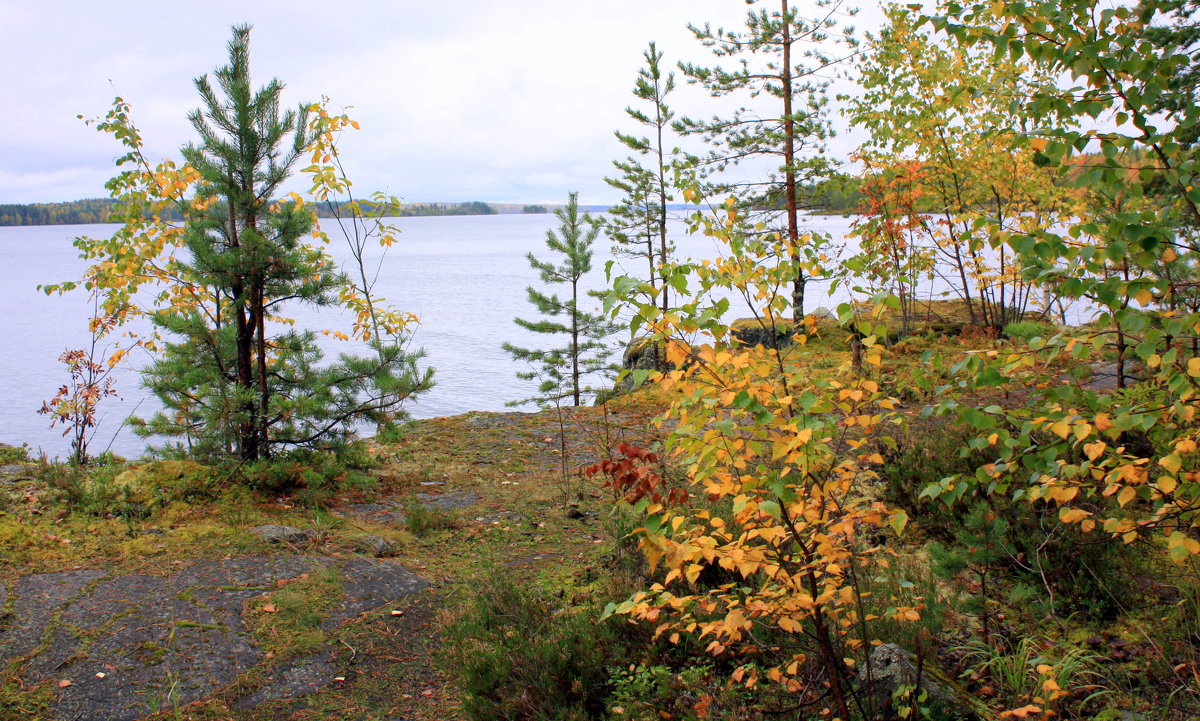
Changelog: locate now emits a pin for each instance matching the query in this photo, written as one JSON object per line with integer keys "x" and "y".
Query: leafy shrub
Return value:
{"x": 517, "y": 654}
{"x": 311, "y": 474}
{"x": 1027, "y": 330}
{"x": 928, "y": 454}
{"x": 92, "y": 490}
{"x": 13, "y": 454}
{"x": 422, "y": 519}
{"x": 907, "y": 581}
{"x": 1094, "y": 579}
{"x": 653, "y": 692}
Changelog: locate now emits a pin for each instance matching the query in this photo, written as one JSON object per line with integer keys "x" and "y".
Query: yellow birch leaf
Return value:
{"x": 1072, "y": 515}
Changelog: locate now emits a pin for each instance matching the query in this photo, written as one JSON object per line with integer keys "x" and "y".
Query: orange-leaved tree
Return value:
{"x": 936, "y": 115}
{"x": 777, "y": 456}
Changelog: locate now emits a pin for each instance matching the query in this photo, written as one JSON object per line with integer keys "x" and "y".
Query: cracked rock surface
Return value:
{"x": 124, "y": 646}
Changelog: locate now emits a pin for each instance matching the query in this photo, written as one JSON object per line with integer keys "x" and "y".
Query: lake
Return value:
{"x": 464, "y": 276}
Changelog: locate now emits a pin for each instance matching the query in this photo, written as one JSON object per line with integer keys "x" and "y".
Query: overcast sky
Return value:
{"x": 511, "y": 101}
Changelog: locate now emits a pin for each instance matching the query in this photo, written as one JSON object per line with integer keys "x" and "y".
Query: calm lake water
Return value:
{"x": 464, "y": 276}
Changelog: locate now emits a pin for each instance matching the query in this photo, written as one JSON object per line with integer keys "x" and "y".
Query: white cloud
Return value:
{"x": 458, "y": 101}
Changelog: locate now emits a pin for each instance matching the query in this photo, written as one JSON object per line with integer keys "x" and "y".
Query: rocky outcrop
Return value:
{"x": 272, "y": 533}
{"x": 118, "y": 646}
{"x": 893, "y": 670}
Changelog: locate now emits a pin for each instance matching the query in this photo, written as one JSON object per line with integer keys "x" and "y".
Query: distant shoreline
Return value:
{"x": 98, "y": 211}
{"x": 93, "y": 211}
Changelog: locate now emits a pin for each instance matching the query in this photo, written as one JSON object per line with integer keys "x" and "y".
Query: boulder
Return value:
{"x": 273, "y": 533}
{"x": 639, "y": 355}
{"x": 375, "y": 545}
{"x": 751, "y": 332}
{"x": 892, "y": 668}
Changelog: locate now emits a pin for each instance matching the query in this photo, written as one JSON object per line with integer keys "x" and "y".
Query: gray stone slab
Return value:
{"x": 370, "y": 584}
{"x": 36, "y": 599}
{"x": 62, "y": 648}
{"x": 136, "y": 644}
{"x": 448, "y": 501}
{"x": 298, "y": 678}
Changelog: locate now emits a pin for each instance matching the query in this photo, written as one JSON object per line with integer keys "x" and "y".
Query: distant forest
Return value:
{"x": 102, "y": 210}
{"x": 838, "y": 195}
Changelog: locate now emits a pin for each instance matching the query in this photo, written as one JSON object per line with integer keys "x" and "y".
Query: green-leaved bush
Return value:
{"x": 517, "y": 653}
{"x": 1027, "y": 330}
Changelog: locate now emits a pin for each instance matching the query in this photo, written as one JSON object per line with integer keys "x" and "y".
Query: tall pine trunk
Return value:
{"x": 244, "y": 339}
{"x": 789, "y": 172}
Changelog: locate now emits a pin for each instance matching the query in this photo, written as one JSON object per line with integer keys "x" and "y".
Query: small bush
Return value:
{"x": 91, "y": 491}
{"x": 422, "y": 519}
{"x": 13, "y": 454}
{"x": 1086, "y": 576}
{"x": 1027, "y": 330}
{"x": 907, "y": 581}
{"x": 927, "y": 455}
{"x": 313, "y": 475}
{"x": 653, "y": 692}
{"x": 517, "y": 654}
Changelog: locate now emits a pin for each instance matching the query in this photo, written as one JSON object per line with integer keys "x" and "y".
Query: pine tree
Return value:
{"x": 234, "y": 382}
{"x": 562, "y": 372}
{"x": 980, "y": 544}
{"x": 638, "y": 223}
{"x": 781, "y": 57}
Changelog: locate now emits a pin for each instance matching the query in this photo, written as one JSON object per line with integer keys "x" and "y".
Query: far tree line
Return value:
{"x": 104, "y": 210}
{"x": 841, "y": 196}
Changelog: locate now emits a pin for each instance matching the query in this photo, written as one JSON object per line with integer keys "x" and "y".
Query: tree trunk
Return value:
{"x": 244, "y": 338}
{"x": 264, "y": 394}
{"x": 575, "y": 340}
{"x": 662, "y": 197}
{"x": 789, "y": 169}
